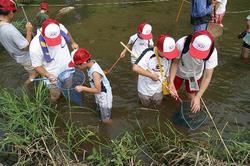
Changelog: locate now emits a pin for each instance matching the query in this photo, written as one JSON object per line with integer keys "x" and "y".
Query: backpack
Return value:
{"x": 44, "y": 47}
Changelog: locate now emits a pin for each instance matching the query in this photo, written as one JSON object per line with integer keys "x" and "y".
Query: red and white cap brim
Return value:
{"x": 146, "y": 37}
{"x": 171, "y": 55}
{"x": 53, "y": 41}
{"x": 195, "y": 53}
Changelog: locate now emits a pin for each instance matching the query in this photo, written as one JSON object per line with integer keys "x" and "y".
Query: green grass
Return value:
{"x": 32, "y": 138}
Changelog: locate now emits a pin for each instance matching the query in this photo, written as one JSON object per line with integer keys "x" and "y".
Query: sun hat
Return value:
{"x": 201, "y": 44}
{"x": 166, "y": 45}
{"x": 44, "y": 6}
{"x": 144, "y": 31}
{"x": 8, "y": 5}
{"x": 80, "y": 56}
{"x": 51, "y": 32}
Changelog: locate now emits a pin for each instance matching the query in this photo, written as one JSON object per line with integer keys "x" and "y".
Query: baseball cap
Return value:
{"x": 201, "y": 44}
{"x": 167, "y": 46}
{"x": 144, "y": 31}
{"x": 51, "y": 32}
{"x": 8, "y": 5}
{"x": 80, "y": 56}
{"x": 44, "y": 6}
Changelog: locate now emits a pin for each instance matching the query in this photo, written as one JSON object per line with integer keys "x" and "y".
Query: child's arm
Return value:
{"x": 123, "y": 53}
{"x": 97, "y": 81}
{"x": 74, "y": 45}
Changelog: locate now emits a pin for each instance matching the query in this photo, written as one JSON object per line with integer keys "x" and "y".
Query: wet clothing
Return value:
{"x": 200, "y": 14}
{"x": 138, "y": 46}
{"x": 40, "y": 17}
{"x": 103, "y": 99}
{"x": 148, "y": 61}
{"x": 146, "y": 101}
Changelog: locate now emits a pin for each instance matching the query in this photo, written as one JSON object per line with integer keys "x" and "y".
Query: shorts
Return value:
{"x": 245, "y": 45}
{"x": 146, "y": 101}
{"x": 200, "y": 27}
{"x": 28, "y": 66}
{"x": 104, "y": 104}
{"x": 178, "y": 82}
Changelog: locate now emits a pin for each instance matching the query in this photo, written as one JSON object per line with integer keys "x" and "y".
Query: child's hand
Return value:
{"x": 79, "y": 88}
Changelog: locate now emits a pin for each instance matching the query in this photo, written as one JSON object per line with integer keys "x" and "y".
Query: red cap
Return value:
{"x": 80, "y": 56}
{"x": 144, "y": 31}
{"x": 51, "y": 32}
{"x": 201, "y": 44}
{"x": 166, "y": 45}
{"x": 8, "y": 5}
{"x": 44, "y": 6}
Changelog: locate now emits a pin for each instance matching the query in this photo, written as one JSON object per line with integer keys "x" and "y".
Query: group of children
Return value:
{"x": 161, "y": 67}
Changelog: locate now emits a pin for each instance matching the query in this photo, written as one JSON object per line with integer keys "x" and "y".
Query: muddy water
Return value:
{"x": 100, "y": 28}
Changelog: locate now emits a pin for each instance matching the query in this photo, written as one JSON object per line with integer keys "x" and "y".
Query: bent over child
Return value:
{"x": 99, "y": 84}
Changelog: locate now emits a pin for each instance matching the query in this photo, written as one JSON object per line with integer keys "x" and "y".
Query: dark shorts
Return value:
{"x": 245, "y": 45}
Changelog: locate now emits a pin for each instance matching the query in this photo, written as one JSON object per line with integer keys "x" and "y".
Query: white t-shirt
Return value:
{"x": 221, "y": 7}
{"x": 60, "y": 53}
{"x": 104, "y": 81}
{"x": 138, "y": 46}
{"x": 147, "y": 86}
{"x": 13, "y": 41}
{"x": 189, "y": 66}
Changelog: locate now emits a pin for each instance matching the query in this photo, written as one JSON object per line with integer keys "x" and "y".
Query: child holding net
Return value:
{"x": 99, "y": 84}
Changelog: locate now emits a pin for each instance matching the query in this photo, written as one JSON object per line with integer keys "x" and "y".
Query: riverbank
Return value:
{"x": 32, "y": 136}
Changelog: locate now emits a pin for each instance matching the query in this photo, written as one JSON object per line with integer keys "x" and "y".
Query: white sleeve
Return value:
{"x": 132, "y": 39}
{"x": 151, "y": 43}
{"x": 212, "y": 62}
{"x": 18, "y": 38}
{"x": 35, "y": 54}
{"x": 143, "y": 62}
{"x": 180, "y": 45}
{"x": 62, "y": 27}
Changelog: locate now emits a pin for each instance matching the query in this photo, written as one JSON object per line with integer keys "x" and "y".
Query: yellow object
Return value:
{"x": 165, "y": 90}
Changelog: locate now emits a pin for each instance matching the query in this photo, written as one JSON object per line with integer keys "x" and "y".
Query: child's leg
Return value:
{"x": 104, "y": 102}
{"x": 245, "y": 50}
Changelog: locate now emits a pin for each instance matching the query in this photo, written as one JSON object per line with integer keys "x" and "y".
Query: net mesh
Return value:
{"x": 215, "y": 29}
{"x": 184, "y": 117}
{"x": 69, "y": 79}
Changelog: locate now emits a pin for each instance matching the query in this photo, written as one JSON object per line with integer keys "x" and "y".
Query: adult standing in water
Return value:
{"x": 201, "y": 13}
{"x": 13, "y": 41}
{"x": 50, "y": 54}
{"x": 194, "y": 65}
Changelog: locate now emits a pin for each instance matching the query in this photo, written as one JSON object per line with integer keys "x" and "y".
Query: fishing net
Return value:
{"x": 67, "y": 81}
{"x": 184, "y": 117}
{"x": 215, "y": 29}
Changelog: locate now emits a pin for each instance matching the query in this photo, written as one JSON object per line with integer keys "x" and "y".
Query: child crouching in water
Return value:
{"x": 99, "y": 84}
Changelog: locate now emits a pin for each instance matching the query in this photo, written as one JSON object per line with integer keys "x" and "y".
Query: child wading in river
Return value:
{"x": 99, "y": 84}
{"x": 246, "y": 40}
